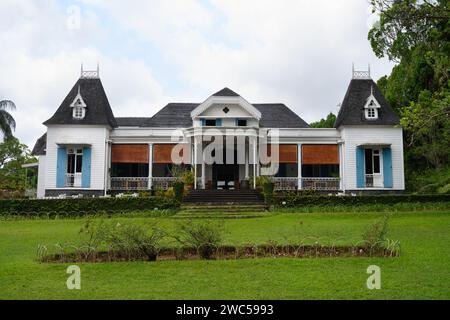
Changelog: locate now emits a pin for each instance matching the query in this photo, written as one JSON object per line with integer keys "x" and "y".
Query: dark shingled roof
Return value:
{"x": 352, "y": 109}
{"x": 132, "y": 121}
{"x": 278, "y": 115}
{"x": 225, "y": 92}
{"x": 98, "y": 111}
{"x": 178, "y": 115}
{"x": 174, "y": 115}
{"x": 40, "y": 146}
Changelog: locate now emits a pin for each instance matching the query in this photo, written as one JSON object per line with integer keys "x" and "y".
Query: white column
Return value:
{"x": 107, "y": 180}
{"x": 150, "y": 166}
{"x": 341, "y": 166}
{"x": 195, "y": 163}
{"x": 258, "y": 164}
{"x": 254, "y": 163}
{"x": 247, "y": 151}
{"x": 299, "y": 163}
{"x": 203, "y": 170}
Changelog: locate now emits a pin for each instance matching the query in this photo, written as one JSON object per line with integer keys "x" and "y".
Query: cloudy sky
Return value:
{"x": 153, "y": 52}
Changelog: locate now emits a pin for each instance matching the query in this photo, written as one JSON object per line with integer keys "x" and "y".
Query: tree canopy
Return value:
{"x": 7, "y": 122}
{"x": 328, "y": 122}
{"x": 416, "y": 35}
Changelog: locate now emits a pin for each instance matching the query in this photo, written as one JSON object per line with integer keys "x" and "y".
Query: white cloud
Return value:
{"x": 297, "y": 52}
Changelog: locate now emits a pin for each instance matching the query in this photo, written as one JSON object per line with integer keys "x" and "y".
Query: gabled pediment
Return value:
{"x": 372, "y": 102}
{"x": 78, "y": 101}
{"x": 224, "y": 102}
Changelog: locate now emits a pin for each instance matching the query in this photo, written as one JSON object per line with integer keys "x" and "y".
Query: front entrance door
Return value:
{"x": 225, "y": 176}
{"x": 374, "y": 168}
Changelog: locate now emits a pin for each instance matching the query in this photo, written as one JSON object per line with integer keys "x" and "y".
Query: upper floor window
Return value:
{"x": 78, "y": 106}
{"x": 372, "y": 106}
{"x": 371, "y": 113}
{"x": 211, "y": 122}
{"x": 78, "y": 112}
{"x": 241, "y": 122}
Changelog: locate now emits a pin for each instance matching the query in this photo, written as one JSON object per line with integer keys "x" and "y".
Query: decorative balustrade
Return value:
{"x": 163, "y": 183}
{"x": 321, "y": 184}
{"x": 369, "y": 181}
{"x": 285, "y": 184}
{"x": 70, "y": 180}
{"x": 132, "y": 183}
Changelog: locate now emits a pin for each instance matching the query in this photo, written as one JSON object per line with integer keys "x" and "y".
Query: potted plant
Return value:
{"x": 178, "y": 184}
{"x": 188, "y": 179}
{"x": 269, "y": 190}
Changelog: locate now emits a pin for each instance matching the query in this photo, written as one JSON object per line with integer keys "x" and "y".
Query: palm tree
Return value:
{"x": 7, "y": 122}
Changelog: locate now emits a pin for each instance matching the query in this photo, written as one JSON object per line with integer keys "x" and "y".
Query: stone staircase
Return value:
{"x": 222, "y": 204}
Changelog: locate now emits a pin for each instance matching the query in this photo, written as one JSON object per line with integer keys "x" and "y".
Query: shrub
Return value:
{"x": 375, "y": 235}
{"x": 178, "y": 188}
{"x": 82, "y": 207}
{"x": 268, "y": 191}
{"x": 129, "y": 240}
{"x": 205, "y": 237}
{"x": 299, "y": 200}
{"x": 188, "y": 178}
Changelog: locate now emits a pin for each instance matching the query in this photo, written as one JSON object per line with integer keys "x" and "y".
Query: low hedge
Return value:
{"x": 294, "y": 199}
{"x": 85, "y": 206}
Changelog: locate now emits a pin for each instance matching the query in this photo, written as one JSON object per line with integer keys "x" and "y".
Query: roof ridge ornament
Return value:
{"x": 90, "y": 74}
{"x": 360, "y": 74}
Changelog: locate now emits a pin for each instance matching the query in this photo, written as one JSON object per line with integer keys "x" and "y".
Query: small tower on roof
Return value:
{"x": 364, "y": 104}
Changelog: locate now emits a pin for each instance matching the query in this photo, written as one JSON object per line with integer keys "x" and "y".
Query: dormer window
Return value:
{"x": 371, "y": 113}
{"x": 371, "y": 108}
{"x": 78, "y": 112}
{"x": 78, "y": 107}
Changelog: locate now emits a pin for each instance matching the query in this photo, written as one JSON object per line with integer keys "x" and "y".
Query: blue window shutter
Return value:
{"x": 61, "y": 159}
{"x": 237, "y": 123}
{"x": 86, "y": 169}
{"x": 360, "y": 179}
{"x": 203, "y": 122}
{"x": 218, "y": 122}
{"x": 387, "y": 167}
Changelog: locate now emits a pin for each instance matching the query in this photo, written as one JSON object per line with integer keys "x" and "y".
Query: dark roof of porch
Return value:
{"x": 178, "y": 115}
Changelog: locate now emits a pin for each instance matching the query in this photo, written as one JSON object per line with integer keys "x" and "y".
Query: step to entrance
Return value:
{"x": 214, "y": 208}
{"x": 224, "y": 197}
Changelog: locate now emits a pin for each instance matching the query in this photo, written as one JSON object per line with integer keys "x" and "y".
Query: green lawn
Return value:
{"x": 422, "y": 271}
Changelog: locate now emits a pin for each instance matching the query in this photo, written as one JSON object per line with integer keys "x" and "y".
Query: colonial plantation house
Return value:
{"x": 87, "y": 150}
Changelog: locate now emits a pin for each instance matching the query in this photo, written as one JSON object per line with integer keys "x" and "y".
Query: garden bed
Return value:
{"x": 222, "y": 253}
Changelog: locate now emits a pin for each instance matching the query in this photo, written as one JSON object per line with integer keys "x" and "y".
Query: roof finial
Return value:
{"x": 87, "y": 74}
{"x": 358, "y": 74}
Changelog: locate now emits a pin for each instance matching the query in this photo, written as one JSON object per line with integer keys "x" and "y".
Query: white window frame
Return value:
{"x": 372, "y": 113}
{"x": 74, "y": 180}
{"x": 78, "y": 112}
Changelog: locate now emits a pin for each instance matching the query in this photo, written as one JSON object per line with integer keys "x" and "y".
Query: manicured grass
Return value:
{"x": 422, "y": 270}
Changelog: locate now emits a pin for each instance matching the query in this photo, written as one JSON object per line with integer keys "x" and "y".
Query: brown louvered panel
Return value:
{"x": 287, "y": 152}
{"x": 129, "y": 153}
{"x": 320, "y": 154}
{"x": 162, "y": 153}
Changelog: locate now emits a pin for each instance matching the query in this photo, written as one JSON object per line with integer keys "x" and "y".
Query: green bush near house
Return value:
{"x": 295, "y": 200}
{"x": 82, "y": 207}
{"x": 268, "y": 191}
{"x": 178, "y": 188}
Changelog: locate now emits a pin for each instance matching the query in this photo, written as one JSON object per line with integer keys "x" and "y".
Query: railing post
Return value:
{"x": 150, "y": 166}
{"x": 299, "y": 164}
